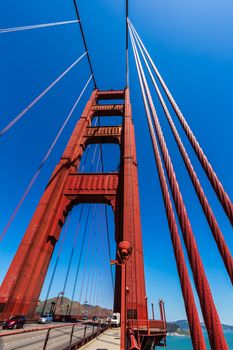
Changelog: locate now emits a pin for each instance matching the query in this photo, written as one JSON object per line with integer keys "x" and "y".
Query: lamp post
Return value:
{"x": 60, "y": 293}
{"x": 124, "y": 251}
{"x": 153, "y": 314}
{"x": 67, "y": 309}
{"x": 53, "y": 303}
{"x": 86, "y": 308}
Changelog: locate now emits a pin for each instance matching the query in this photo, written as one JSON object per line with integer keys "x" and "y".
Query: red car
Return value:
{"x": 16, "y": 321}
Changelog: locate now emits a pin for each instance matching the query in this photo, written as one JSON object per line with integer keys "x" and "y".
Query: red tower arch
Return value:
{"x": 20, "y": 290}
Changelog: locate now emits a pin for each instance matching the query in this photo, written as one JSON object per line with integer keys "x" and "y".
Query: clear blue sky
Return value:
{"x": 192, "y": 45}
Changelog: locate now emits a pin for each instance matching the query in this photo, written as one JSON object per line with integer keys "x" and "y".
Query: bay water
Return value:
{"x": 184, "y": 342}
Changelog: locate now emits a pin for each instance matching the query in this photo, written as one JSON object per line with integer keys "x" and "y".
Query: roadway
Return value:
{"x": 58, "y": 338}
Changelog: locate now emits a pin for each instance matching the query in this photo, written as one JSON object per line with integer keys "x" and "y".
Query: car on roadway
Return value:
{"x": 15, "y": 321}
{"x": 84, "y": 317}
{"x": 94, "y": 318}
{"x": 46, "y": 318}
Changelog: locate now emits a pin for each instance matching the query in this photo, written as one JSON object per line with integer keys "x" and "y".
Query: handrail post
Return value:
{"x": 148, "y": 323}
{"x": 85, "y": 331}
{"x": 98, "y": 328}
{"x": 46, "y": 339}
{"x": 71, "y": 336}
{"x": 153, "y": 314}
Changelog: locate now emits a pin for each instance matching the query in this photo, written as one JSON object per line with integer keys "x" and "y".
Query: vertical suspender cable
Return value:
{"x": 88, "y": 250}
{"x": 72, "y": 251}
{"x": 97, "y": 282}
{"x": 109, "y": 247}
{"x": 56, "y": 263}
{"x": 77, "y": 229}
{"x": 79, "y": 260}
{"x": 106, "y": 220}
{"x": 82, "y": 244}
{"x": 191, "y": 310}
{"x": 209, "y": 311}
{"x": 84, "y": 41}
{"x": 223, "y": 249}
{"x": 96, "y": 236}
{"x": 215, "y": 182}
{"x": 95, "y": 263}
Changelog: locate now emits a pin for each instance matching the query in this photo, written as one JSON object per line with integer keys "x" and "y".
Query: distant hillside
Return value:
{"x": 183, "y": 325}
{"x": 173, "y": 327}
{"x": 63, "y": 307}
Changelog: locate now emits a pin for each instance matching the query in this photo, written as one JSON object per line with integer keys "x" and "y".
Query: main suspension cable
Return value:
{"x": 36, "y": 26}
{"x": 39, "y": 97}
{"x": 127, "y": 41}
{"x": 217, "y": 234}
{"x": 84, "y": 41}
{"x": 209, "y": 311}
{"x": 215, "y": 182}
{"x": 43, "y": 161}
{"x": 189, "y": 301}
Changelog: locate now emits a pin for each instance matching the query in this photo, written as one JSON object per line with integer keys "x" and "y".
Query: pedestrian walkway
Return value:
{"x": 109, "y": 340}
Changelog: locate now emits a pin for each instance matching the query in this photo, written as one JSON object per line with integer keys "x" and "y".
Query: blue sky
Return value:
{"x": 191, "y": 43}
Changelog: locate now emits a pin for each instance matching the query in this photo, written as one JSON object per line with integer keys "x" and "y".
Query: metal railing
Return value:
{"x": 97, "y": 329}
{"x": 71, "y": 335}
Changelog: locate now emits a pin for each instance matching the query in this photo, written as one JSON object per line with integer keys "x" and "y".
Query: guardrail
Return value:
{"x": 90, "y": 331}
{"x": 41, "y": 328}
{"x": 86, "y": 338}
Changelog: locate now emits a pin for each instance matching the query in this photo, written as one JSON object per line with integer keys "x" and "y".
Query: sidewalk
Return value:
{"x": 109, "y": 340}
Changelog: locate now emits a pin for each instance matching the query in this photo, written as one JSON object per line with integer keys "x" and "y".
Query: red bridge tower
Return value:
{"x": 67, "y": 187}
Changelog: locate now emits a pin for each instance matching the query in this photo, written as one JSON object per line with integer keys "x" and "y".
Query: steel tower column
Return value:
{"x": 20, "y": 290}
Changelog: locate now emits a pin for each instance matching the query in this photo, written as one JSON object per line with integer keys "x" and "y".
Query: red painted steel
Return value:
{"x": 133, "y": 341}
{"x": 106, "y": 110}
{"x": 217, "y": 234}
{"x": 21, "y": 287}
{"x": 189, "y": 301}
{"x": 215, "y": 182}
{"x": 209, "y": 311}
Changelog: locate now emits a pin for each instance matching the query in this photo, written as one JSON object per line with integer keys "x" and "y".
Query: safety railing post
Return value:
{"x": 71, "y": 336}
{"x": 85, "y": 331}
{"x": 46, "y": 339}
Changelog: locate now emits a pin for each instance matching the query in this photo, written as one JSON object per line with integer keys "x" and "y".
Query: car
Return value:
{"x": 94, "y": 318}
{"x": 15, "y": 321}
{"x": 46, "y": 318}
{"x": 84, "y": 317}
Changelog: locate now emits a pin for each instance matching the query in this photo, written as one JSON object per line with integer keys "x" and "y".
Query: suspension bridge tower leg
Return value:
{"x": 136, "y": 307}
{"x": 21, "y": 287}
{"x": 67, "y": 187}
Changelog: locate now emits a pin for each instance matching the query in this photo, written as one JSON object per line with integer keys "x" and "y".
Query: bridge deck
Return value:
{"x": 109, "y": 340}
